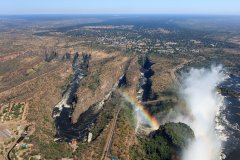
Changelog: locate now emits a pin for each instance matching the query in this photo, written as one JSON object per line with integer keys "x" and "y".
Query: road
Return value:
{"x": 110, "y": 136}
{"x": 22, "y": 136}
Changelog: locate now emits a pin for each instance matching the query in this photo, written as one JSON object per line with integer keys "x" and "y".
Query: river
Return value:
{"x": 62, "y": 112}
{"x": 230, "y": 117}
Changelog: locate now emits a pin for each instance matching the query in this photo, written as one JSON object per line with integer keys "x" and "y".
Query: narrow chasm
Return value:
{"x": 66, "y": 130}
{"x": 145, "y": 84}
{"x": 62, "y": 112}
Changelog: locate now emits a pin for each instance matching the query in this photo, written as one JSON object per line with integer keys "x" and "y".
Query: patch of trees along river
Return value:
{"x": 62, "y": 112}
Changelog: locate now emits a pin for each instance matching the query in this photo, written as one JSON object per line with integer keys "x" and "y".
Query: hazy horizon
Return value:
{"x": 75, "y": 7}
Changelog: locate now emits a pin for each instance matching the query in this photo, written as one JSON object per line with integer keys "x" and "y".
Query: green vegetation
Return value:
{"x": 104, "y": 117}
{"x": 75, "y": 57}
{"x": 81, "y": 147}
{"x": 169, "y": 92}
{"x": 161, "y": 106}
{"x": 16, "y": 110}
{"x": 140, "y": 60}
{"x": 50, "y": 56}
{"x": 168, "y": 101}
{"x": 154, "y": 149}
{"x": 94, "y": 80}
{"x": 164, "y": 143}
{"x": 137, "y": 152}
{"x": 128, "y": 114}
{"x": 53, "y": 150}
{"x": 124, "y": 132}
{"x": 178, "y": 134}
{"x": 5, "y": 110}
{"x": 69, "y": 78}
{"x": 227, "y": 91}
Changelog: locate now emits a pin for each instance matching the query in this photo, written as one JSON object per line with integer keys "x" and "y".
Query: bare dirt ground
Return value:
{"x": 133, "y": 75}
{"x": 39, "y": 93}
{"x": 40, "y": 84}
{"x": 164, "y": 76}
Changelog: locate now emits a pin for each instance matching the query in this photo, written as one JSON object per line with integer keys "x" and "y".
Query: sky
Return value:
{"x": 215, "y": 7}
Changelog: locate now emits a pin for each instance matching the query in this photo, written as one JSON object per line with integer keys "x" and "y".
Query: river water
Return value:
{"x": 230, "y": 117}
{"x": 62, "y": 112}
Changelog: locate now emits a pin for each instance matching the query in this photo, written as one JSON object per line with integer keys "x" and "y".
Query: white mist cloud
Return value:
{"x": 199, "y": 93}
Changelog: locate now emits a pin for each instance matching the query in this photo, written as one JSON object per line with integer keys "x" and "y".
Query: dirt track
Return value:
{"x": 110, "y": 136}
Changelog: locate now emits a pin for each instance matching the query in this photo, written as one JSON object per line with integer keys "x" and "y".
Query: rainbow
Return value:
{"x": 148, "y": 118}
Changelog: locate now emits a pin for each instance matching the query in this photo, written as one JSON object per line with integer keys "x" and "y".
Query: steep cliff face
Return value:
{"x": 145, "y": 83}
{"x": 122, "y": 80}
